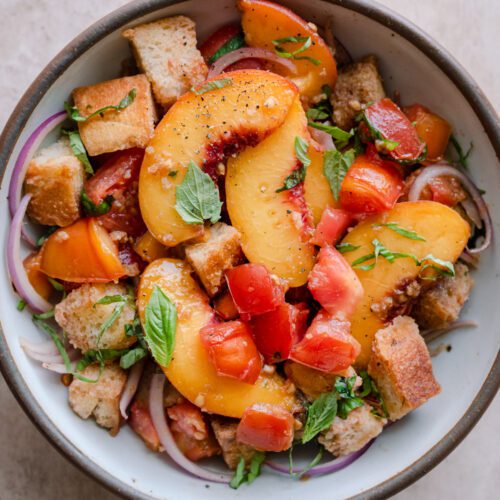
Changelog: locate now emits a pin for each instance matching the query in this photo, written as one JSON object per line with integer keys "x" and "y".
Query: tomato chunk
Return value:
{"x": 331, "y": 227}
{"x": 232, "y": 350}
{"x": 253, "y": 289}
{"x": 431, "y": 128}
{"x": 266, "y": 428}
{"x": 225, "y": 307}
{"x": 141, "y": 423}
{"x": 277, "y": 331}
{"x": 370, "y": 187}
{"x": 327, "y": 345}
{"x": 334, "y": 284}
{"x": 388, "y": 123}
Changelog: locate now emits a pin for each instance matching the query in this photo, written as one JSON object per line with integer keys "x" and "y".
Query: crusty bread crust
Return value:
{"x": 130, "y": 127}
{"x": 166, "y": 51}
{"x": 402, "y": 368}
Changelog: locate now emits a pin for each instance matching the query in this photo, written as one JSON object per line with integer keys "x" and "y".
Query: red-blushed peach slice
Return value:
{"x": 191, "y": 371}
{"x": 38, "y": 280}
{"x": 206, "y": 128}
{"x": 275, "y": 227}
{"x": 265, "y": 21}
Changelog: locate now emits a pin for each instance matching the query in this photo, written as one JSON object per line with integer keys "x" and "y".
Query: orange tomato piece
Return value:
{"x": 225, "y": 307}
{"x": 149, "y": 248}
{"x": 36, "y": 277}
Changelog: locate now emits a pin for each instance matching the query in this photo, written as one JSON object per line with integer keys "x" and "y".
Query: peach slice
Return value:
{"x": 206, "y": 128}
{"x": 190, "y": 370}
{"x": 38, "y": 280}
{"x": 265, "y": 21}
{"x": 274, "y": 226}
{"x": 446, "y": 235}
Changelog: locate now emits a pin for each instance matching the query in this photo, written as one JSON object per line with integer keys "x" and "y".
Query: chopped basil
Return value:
{"x": 306, "y": 43}
{"x": 134, "y": 329}
{"x": 110, "y": 319}
{"x": 317, "y": 114}
{"x": 346, "y": 247}
{"x": 394, "y": 226}
{"x": 100, "y": 356}
{"x": 348, "y": 400}
{"x": 370, "y": 392}
{"x": 341, "y": 137}
{"x": 76, "y": 144}
{"x": 197, "y": 197}
{"x": 385, "y": 145}
{"x": 233, "y": 44}
{"x": 323, "y": 109}
{"x": 45, "y": 315}
{"x": 131, "y": 357}
{"x": 299, "y": 174}
{"x": 74, "y": 112}
{"x": 56, "y": 285}
{"x": 94, "y": 210}
{"x": 320, "y": 415}
{"x": 241, "y": 475}
{"x": 443, "y": 267}
{"x": 315, "y": 461}
{"x": 301, "y": 148}
{"x": 462, "y": 157}
{"x": 51, "y": 229}
{"x": 335, "y": 167}
{"x": 110, "y": 299}
{"x": 21, "y": 305}
{"x": 213, "y": 85}
{"x": 160, "y": 326}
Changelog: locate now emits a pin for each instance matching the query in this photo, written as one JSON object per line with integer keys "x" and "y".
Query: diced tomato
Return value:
{"x": 389, "y": 123}
{"x": 191, "y": 432}
{"x": 369, "y": 187}
{"x": 232, "y": 350}
{"x": 253, "y": 289}
{"x": 266, "y": 427}
{"x": 331, "y": 227}
{"x": 276, "y": 332}
{"x": 334, "y": 284}
{"x": 225, "y": 307}
{"x": 447, "y": 190}
{"x": 118, "y": 177}
{"x": 431, "y": 128}
{"x": 327, "y": 345}
{"x": 141, "y": 423}
{"x": 39, "y": 281}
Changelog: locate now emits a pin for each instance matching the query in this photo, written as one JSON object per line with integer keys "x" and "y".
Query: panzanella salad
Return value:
{"x": 244, "y": 245}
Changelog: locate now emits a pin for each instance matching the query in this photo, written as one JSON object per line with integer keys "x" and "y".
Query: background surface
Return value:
{"x": 35, "y": 31}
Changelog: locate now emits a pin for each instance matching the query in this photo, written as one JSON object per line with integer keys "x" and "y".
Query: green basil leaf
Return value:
{"x": 94, "y": 210}
{"x": 320, "y": 415}
{"x": 294, "y": 179}
{"x": 347, "y": 405}
{"x": 443, "y": 267}
{"x": 316, "y": 114}
{"x": 109, "y": 321}
{"x": 213, "y": 85}
{"x": 21, "y": 305}
{"x": 233, "y": 44}
{"x": 239, "y": 476}
{"x": 160, "y": 326}
{"x": 394, "y": 226}
{"x": 335, "y": 167}
{"x": 56, "y": 285}
{"x": 346, "y": 247}
{"x": 45, "y": 315}
{"x": 110, "y": 299}
{"x": 282, "y": 52}
{"x": 462, "y": 157}
{"x": 337, "y": 133}
{"x": 51, "y": 229}
{"x": 255, "y": 466}
{"x": 131, "y": 357}
{"x": 100, "y": 356}
{"x": 301, "y": 148}
{"x": 197, "y": 197}
{"x": 76, "y": 145}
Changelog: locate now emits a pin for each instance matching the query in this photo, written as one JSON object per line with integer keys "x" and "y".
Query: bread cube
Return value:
{"x": 55, "y": 180}
{"x": 115, "y": 130}
{"x": 166, "y": 51}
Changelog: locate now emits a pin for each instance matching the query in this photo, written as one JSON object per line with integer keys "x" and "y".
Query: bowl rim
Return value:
{"x": 138, "y": 8}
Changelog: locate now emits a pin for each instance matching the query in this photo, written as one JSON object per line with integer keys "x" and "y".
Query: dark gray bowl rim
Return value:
{"x": 114, "y": 21}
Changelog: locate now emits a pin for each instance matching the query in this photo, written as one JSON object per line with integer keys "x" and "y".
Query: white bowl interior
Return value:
{"x": 461, "y": 372}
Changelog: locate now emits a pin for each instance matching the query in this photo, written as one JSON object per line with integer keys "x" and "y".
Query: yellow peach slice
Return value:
{"x": 190, "y": 370}
{"x": 206, "y": 128}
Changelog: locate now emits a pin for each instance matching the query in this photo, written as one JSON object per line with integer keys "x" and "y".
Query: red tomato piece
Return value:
{"x": 327, "y": 345}
{"x": 253, "y": 289}
{"x": 141, "y": 423}
{"x": 447, "y": 190}
{"x": 232, "y": 350}
{"x": 331, "y": 227}
{"x": 334, "y": 284}
{"x": 225, "y": 307}
{"x": 276, "y": 332}
{"x": 389, "y": 122}
{"x": 266, "y": 427}
{"x": 369, "y": 187}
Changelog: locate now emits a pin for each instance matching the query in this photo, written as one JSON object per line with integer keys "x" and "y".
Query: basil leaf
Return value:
{"x": 21, "y": 305}
{"x": 110, "y": 299}
{"x": 109, "y": 321}
{"x": 99, "y": 355}
{"x": 347, "y": 405}
{"x": 239, "y": 475}
{"x": 74, "y": 113}
{"x": 294, "y": 55}
{"x": 316, "y": 114}
{"x": 51, "y": 229}
{"x": 301, "y": 148}
{"x": 443, "y": 267}
{"x": 56, "y": 285}
{"x": 462, "y": 157}
{"x": 394, "y": 226}
{"x": 385, "y": 145}
{"x": 294, "y": 179}
{"x": 346, "y": 247}
{"x": 335, "y": 167}
{"x": 76, "y": 145}
{"x": 337, "y": 133}
{"x": 255, "y": 466}
{"x": 160, "y": 326}
{"x": 134, "y": 329}
{"x": 213, "y": 85}
{"x": 94, "y": 210}
{"x": 233, "y": 44}
{"x": 197, "y": 197}
{"x": 132, "y": 357}
{"x": 320, "y": 415}
{"x": 315, "y": 461}
{"x": 45, "y": 315}
{"x": 382, "y": 251}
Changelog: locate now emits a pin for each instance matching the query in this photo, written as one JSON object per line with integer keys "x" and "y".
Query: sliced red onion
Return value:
{"x": 166, "y": 439}
{"x": 44, "y": 358}
{"x": 15, "y": 265}
{"x": 472, "y": 212}
{"x": 471, "y": 260}
{"x": 440, "y": 169}
{"x": 60, "y": 367}
{"x": 324, "y": 139}
{"x": 432, "y": 334}
{"x": 133, "y": 380}
{"x": 46, "y": 347}
{"x": 326, "y": 468}
{"x": 248, "y": 53}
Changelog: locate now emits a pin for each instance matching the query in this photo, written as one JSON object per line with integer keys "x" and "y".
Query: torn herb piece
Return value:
{"x": 346, "y": 247}
{"x": 315, "y": 461}
{"x": 21, "y": 305}
{"x": 94, "y": 210}
{"x": 348, "y": 400}
{"x": 294, "y": 179}
{"x": 335, "y": 167}
{"x": 306, "y": 43}
{"x": 394, "y": 226}
{"x": 213, "y": 85}
{"x": 443, "y": 267}
{"x": 340, "y": 136}
{"x": 301, "y": 147}
{"x": 232, "y": 44}
{"x": 320, "y": 415}
{"x": 462, "y": 157}
{"x": 109, "y": 321}
{"x": 131, "y": 357}
{"x": 51, "y": 229}
{"x": 76, "y": 144}
{"x": 241, "y": 475}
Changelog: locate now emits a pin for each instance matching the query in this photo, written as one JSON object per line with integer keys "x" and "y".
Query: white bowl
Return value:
{"x": 469, "y": 374}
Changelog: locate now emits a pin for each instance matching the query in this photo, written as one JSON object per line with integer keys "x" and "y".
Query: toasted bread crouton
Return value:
{"x": 232, "y": 450}
{"x": 442, "y": 304}
{"x": 166, "y": 51}
{"x": 401, "y": 367}
{"x": 357, "y": 85}
{"x": 81, "y": 321}
{"x": 348, "y": 435}
{"x": 115, "y": 130}
{"x": 55, "y": 180}
{"x": 210, "y": 259}
{"x": 100, "y": 399}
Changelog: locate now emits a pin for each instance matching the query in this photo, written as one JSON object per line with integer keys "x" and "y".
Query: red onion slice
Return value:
{"x": 44, "y": 358}
{"x": 166, "y": 439}
{"x": 15, "y": 265}
{"x": 133, "y": 380}
{"x": 60, "y": 367}
{"x": 440, "y": 169}
{"x": 46, "y": 347}
{"x": 322, "y": 138}
{"x": 433, "y": 333}
{"x": 248, "y": 53}
{"x": 326, "y": 468}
